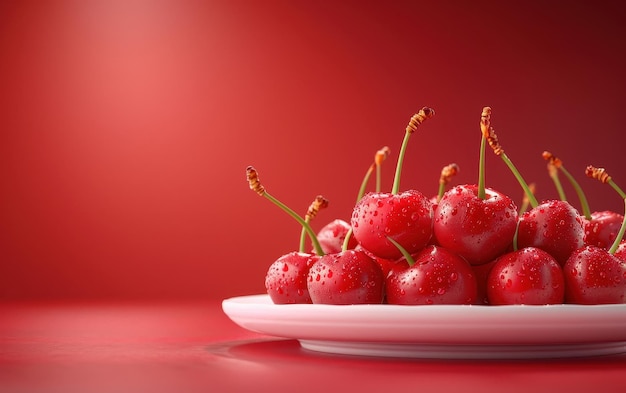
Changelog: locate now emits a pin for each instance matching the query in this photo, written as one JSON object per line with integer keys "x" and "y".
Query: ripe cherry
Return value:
{"x": 286, "y": 278}
{"x": 333, "y": 235}
{"x": 476, "y": 222}
{"x": 405, "y": 217}
{"x": 600, "y": 227}
{"x": 525, "y": 276}
{"x": 594, "y": 275}
{"x": 478, "y": 229}
{"x": 348, "y": 277}
{"x": 433, "y": 275}
{"x": 555, "y": 226}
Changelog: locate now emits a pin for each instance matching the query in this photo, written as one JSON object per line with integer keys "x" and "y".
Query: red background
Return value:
{"x": 126, "y": 126}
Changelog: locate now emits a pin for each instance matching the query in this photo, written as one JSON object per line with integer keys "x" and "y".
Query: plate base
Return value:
{"x": 421, "y": 351}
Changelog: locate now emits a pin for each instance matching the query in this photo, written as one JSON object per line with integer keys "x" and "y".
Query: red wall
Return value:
{"x": 127, "y": 125}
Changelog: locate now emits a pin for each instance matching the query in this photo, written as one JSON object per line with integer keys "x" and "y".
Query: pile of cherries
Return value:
{"x": 468, "y": 245}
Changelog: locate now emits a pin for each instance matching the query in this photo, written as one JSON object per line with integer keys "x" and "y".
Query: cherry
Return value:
{"x": 333, "y": 235}
{"x": 475, "y": 222}
{"x": 286, "y": 278}
{"x": 594, "y": 275}
{"x": 348, "y": 277}
{"x": 554, "y": 226}
{"x": 601, "y": 230}
{"x": 525, "y": 276}
{"x": 405, "y": 217}
{"x": 600, "y": 227}
{"x": 433, "y": 275}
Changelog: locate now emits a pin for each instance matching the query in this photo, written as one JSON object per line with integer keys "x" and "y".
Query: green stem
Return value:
{"x": 481, "y": 168}
{"x": 404, "y": 252}
{"x": 557, "y": 183}
{"x": 620, "y": 234}
{"x": 396, "y": 181}
{"x": 363, "y": 187}
{"x": 346, "y": 241}
{"x": 616, "y": 188}
{"x": 378, "y": 178}
{"x": 303, "y": 237}
{"x": 305, "y": 225}
{"x": 442, "y": 190}
{"x": 584, "y": 205}
{"x": 531, "y": 198}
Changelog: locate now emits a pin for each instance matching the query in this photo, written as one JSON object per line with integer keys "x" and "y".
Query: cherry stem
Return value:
{"x": 303, "y": 235}
{"x": 525, "y": 200}
{"x": 416, "y": 120}
{"x": 531, "y": 197}
{"x": 256, "y": 186}
{"x": 305, "y": 225}
{"x": 553, "y": 171}
{"x": 620, "y": 234}
{"x": 584, "y": 205}
{"x": 515, "y": 247}
{"x": 366, "y": 179}
{"x": 405, "y": 253}
{"x": 481, "y": 168}
{"x": 490, "y": 135}
{"x": 616, "y": 188}
{"x": 555, "y": 162}
{"x": 447, "y": 172}
{"x": 378, "y": 177}
{"x": 396, "y": 181}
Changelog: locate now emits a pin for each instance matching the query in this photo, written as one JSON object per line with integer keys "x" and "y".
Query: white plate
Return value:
{"x": 439, "y": 331}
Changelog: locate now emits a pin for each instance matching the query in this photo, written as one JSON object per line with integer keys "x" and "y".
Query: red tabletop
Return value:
{"x": 194, "y": 347}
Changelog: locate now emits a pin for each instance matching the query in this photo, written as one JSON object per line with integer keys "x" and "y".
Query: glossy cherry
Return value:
{"x": 478, "y": 229}
{"x": 600, "y": 227}
{"x": 525, "y": 276}
{"x": 348, "y": 277}
{"x": 554, "y": 226}
{"x": 595, "y": 276}
{"x": 405, "y": 217}
{"x": 333, "y": 235}
{"x": 286, "y": 278}
{"x": 435, "y": 276}
{"x": 601, "y": 230}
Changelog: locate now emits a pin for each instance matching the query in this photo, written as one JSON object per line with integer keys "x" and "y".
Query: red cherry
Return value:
{"x": 477, "y": 229}
{"x": 601, "y": 230}
{"x": 438, "y": 276}
{"x": 286, "y": 278}
{"x": 332, "y": 236}
{"x": 348, "y": 277}
{"x": 405, "y": 217}
{"x": 594, "y": 276}
{"x": 526, "y": 276}
{"x": 553, "y": 226}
